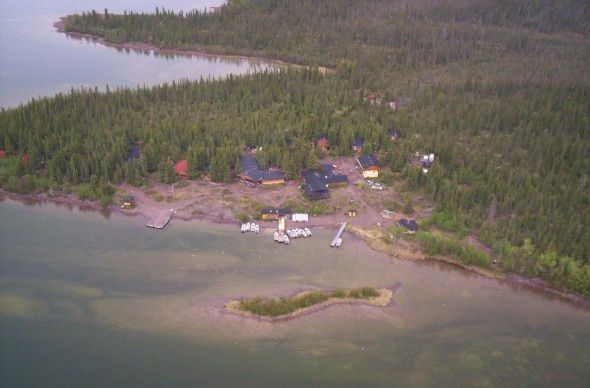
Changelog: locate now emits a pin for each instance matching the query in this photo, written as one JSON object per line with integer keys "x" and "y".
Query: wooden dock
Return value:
{"x": 333, "y": 243}
{"x": 161, "y": 221}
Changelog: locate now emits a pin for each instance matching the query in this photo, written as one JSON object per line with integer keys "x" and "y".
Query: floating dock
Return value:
{"x": 161, "y": 221}
{"x": 338, "y": 235}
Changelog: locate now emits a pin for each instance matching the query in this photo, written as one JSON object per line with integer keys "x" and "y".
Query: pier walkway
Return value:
{"x": 161, "y": 221}
{"x": 333, "y": 243}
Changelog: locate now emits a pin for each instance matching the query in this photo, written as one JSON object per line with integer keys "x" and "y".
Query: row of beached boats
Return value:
{"x": 250, "y": 227}
{"x": 295, "y": 233}
{"x": 281, "y": 238}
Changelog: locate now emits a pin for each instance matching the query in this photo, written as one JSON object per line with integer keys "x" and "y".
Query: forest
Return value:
{"x": 498, "y": 90}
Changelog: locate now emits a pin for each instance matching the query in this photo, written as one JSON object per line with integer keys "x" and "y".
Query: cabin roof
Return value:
{"x": 367, "y": 161}
{"x": 313, "y": 181}
{"x": 358, "y": 142}
{"x": 330, "y": 177}
{"x": 181, "y": 167}
{"x": 251, "y": 168}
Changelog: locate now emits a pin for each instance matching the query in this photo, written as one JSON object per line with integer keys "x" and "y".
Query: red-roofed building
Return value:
{"x": 25, "y": 158}
{"x": 2, "y": 154}
{"x": 181, "y": 169}
{"x": 323, "y": 143}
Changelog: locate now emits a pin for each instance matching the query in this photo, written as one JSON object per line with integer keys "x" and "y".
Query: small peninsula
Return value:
{"x": 272, "y": 309}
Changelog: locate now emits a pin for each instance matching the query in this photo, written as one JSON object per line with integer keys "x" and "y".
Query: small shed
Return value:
{"x": 134, "y": 153}
{"x": 2, "y": 154}
{"x": 410, "y": 225}
{"x": 300, "y": 217}
{"x": 357, "y": 144}
{"x": 128, "y": 201}
{"x": 274, "y": 213}
{"x": 181, "y": 169}
{"x": 393, "y": 134}
{"x": 323, "y": 143}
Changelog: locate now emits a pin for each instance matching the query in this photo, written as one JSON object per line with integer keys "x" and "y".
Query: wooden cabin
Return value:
{"x": 252, "y": 175}
{"x": 332, "y": 179}
{"x": 315, "y": 185}
{"x": 369, "y": 166}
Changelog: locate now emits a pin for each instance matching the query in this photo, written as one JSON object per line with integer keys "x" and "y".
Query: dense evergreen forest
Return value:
{"x": 498, "y": 90}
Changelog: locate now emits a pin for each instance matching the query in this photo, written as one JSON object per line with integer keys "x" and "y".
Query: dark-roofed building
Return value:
{"x": 253, "y": 175}
{"x": 315, "y": 185}
{"x": 369, "y": 166}
{"x": 331, "y": 178}
{"x": 272, "y": 213}
{"x": 134, "y": 153}
{"x": 393, "y": 134}
{"x": 357, "y": 144}
{"x": 410, "y": 225}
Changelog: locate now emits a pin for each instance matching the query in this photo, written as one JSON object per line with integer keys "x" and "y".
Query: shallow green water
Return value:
{"x": 86, "y": 300}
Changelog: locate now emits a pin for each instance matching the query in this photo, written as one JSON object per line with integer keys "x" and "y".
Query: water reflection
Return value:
{"x": 37, "y": 61}
{"x": 172, "y": 54}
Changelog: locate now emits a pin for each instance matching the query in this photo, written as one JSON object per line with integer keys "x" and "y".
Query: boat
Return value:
{"x": 308, "y": 232}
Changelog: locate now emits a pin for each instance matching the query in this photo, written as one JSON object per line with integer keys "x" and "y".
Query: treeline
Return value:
{"x": 88, "y": 136}
{"x": 369, "y": 40}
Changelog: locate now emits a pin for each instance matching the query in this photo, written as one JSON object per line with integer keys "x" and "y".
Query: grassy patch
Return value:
{"x": 271, "y": 307}
{"x": 154, "y": 195}
{"x": 181, "y": 184}
{"x": 440, "y": 245}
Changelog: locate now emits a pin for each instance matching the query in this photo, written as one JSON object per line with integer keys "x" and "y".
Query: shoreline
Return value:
{"x": 374, "y": 242}
{"x": 146, "y": 47}
{"x": 384, "y": 299}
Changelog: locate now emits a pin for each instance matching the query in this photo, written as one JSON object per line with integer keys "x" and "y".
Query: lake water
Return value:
{"x": 36, "y": 61}
{"x": 87, "y": 300}
{"x": 91, "y": 301}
